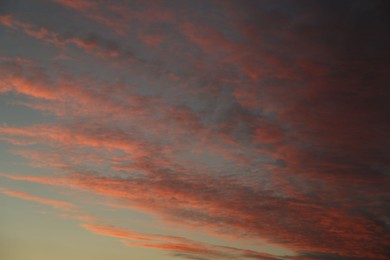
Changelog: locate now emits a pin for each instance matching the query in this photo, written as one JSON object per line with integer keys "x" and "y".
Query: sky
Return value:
{"x": 201, "y": 130}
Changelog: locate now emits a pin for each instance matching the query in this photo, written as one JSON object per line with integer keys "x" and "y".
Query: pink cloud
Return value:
{"x": 198, "y": 204}
{"x": 77, "y": 4}
{"x": 57, "y": 204}
{"x": 269, "y": 128}
{"x": 157, "y": 241}
{"x": 175, "y": 244}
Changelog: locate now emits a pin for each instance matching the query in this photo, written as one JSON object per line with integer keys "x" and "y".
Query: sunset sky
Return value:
{"x": 194, "y": 129}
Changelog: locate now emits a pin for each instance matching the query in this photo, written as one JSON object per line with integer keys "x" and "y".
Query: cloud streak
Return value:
{"x": 130, "y": 238}
{"x": 176, "y": 244}
{"x": 63, "y": 205}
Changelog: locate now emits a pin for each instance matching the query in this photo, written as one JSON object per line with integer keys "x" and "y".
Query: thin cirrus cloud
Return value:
{"x": 258, "y": 120}
{"x": 188, "y": 248}
{"x": 25, "y": 196}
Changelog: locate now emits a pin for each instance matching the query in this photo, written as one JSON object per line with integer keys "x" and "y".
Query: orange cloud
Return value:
{"x": 195, "y": 198}
{"x": 115, "y": 232}
{"x": 176, "y": 244}
{"x": 77, "y": 4}
{"x": 174, "y": 199}
{"x": 6, "y": 20}
{"x": 271, "y": 126}
{"x": 57, "y": 204}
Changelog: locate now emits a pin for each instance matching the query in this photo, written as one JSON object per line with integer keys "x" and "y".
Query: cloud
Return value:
{"x": 117, "y": 16}
{"x": 200, "y": 203}
{"x": 259, "y": 120}
{"x": 176, "y": 244}
{"x": 92, "y": 43}
{"x": 78, "y": 5}
{"x": 67, "y": 209}
{"x": 57, "y": 204}
{"x": 132, "y": 238}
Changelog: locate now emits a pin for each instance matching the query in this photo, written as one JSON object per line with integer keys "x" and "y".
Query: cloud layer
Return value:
{"x": 244, "y": 119}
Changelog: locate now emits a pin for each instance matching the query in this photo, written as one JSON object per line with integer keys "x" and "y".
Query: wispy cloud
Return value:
{"x": 176, "y": 244}
{"x": 132, "y": 238}
{"x": 254, "y": 120}
{"x": 57, "y": 204}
